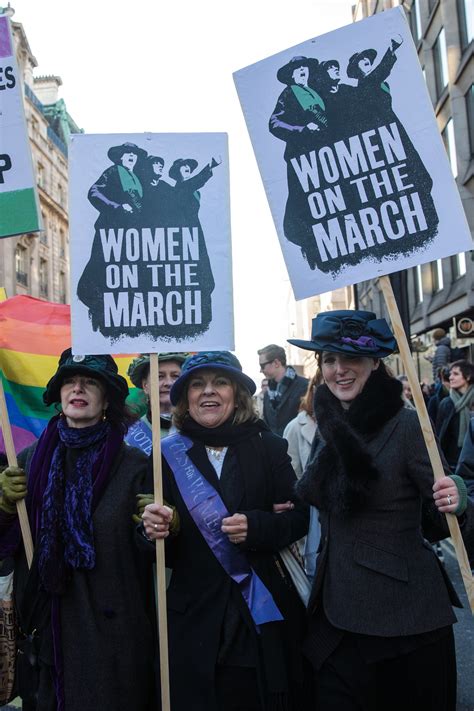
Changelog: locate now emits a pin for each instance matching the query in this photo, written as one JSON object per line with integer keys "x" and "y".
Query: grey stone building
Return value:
{"x": 38, "y": 264}
{"x": 441, "y": 293}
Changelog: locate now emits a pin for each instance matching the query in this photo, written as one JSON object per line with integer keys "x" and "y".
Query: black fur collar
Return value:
{"x": 339, "y": 478}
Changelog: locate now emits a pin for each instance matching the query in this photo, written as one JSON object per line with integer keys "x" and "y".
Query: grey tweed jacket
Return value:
{"x": 377, "y": 574}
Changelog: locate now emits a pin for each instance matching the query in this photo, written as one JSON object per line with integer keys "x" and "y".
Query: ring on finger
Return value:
{"x": 155, "y": 526}
{"x": 449, "y": 500}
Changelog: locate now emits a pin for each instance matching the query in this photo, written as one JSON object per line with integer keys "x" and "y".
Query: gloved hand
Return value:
{"x": 145, "y": 499}
{"x": 13, "y": 486}
{"x": 142, "y": 501}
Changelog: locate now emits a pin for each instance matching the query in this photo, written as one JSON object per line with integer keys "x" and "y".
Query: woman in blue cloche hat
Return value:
{"x": 380, "y": 629}
{"x": 235, "y": 622}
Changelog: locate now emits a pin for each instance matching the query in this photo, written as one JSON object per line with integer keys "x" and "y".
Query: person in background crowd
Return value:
{"x": 169, "y": 370}
{"x": 465, "y": 467}
{"x": 440, "y": 391}
{"x": 380, "y": 629}
{"x": 259, "y": 396}
{"x": 442, "y": 354}
{"x": 85, "y": 609}
{"x": 406, "y": 391}
{"x": 234, "y": 624}
{"x": 285, "y": 388}
{"x": 299, "y": 433}
{"x": 454, "y": 411}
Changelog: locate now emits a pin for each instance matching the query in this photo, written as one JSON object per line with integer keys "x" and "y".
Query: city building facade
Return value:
{"x": 440, "y": 294}
{"x": 38, "y": 264}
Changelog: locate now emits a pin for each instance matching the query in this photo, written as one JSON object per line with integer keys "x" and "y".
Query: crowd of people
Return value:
{"x": 331, "y": 471}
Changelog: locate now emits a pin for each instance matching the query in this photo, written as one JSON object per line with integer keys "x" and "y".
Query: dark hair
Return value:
{"x": 120, "y": 416}
{"x": 273, "y": 352}
{"x": 307, "y": 400}
{"x": 466, "y": 368}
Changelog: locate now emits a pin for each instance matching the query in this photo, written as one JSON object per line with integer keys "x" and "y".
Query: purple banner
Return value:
{"x": 207, "y": 511}
{"x": 5, "y": 42}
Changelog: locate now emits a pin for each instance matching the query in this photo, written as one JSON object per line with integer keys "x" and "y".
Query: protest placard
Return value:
{"x": 350, "y": 154}
{"x": 19, "y": 208}
{"x": 150, "y": 243}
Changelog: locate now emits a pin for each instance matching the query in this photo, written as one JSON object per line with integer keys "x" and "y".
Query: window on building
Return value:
{"x": 458, "y": 265}
{"x": 62, "y": 287}
{"x": 415, "y": 20}
{"x": 43, "y": 278}
{"x": 440, "y": 57}
{"x": 470, "y": 117}
{"x": 62, "y": 244}
{"x": 43, "y": 238}
{"x": 41, "y": 179}
{"x": 450, "y": 144}
{"x": 21, "y": 265}
{"x": 418, "y": 282}
{"x": 60, "y": 194}
{"x": 437, "y": 282}
{"x": 466, "y": 21}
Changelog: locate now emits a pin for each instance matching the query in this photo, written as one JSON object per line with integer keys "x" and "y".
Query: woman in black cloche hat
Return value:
{"x": 84, "y": 608}
{"x": 380, "y": 629}
{"x": 299, "y": 119}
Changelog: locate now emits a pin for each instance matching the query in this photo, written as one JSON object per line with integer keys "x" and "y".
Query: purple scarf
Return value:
{"x": 65, "y": 504}
{"x": 66, "y": 537}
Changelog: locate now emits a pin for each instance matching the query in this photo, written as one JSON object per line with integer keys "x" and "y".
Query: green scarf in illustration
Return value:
{"x": 129, "y": 180}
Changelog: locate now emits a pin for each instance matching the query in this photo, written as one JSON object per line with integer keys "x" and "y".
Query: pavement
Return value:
{"x": 463, "y": 633}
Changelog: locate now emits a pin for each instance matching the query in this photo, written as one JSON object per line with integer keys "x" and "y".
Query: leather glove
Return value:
{"x": 145, "y": 499}
{"x": 142, "y": 501}
{"x": 13, "y": 485}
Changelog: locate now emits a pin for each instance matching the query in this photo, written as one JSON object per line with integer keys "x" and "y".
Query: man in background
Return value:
{"x": 282, "y": 399}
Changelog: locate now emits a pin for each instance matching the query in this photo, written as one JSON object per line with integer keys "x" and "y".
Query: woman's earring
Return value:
{"x": 104, "y": 415}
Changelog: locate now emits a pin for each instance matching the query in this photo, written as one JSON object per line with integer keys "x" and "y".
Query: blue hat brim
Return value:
{"x": 344, "y": 348}
{"x": 179, "y": 385}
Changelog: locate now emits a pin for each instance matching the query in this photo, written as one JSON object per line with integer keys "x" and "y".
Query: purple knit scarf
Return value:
{"x": 61, "y": 503}
{"x": 66, "y": 538}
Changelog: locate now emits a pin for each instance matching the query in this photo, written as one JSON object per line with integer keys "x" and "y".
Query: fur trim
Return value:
{"x": 340, "y": 476}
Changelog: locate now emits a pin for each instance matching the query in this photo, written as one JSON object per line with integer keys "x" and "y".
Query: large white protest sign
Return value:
{"x": 351, "y": 157}
{"x": 19, "y": 211}
{"x": 150, "y": 243}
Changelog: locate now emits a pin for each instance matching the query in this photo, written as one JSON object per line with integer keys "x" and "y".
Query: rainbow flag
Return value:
{"x": 33, "y": 334}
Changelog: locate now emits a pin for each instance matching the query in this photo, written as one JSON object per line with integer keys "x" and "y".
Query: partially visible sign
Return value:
{"x": 19, "y": 209}
{"x": 465, "y": 326}
{"x": 150, "y": 243}
{"x": 351, "y": 158}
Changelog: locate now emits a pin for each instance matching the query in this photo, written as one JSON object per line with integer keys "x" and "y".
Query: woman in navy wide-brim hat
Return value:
{"x": 380, "y": 628}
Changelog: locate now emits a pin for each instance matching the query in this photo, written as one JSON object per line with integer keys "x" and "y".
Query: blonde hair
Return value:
{"x": 245, "y": 410}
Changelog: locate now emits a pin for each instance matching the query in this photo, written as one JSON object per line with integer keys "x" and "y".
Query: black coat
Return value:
{"x": 200, "y": 589}
{"x": 107, "y": 618}
{"x": 278, "y": 417}
{"x": 447, "y": 429}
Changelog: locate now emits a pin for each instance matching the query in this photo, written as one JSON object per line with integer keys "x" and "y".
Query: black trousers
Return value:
{"x": 237, "y": 689}
{"x": 423, "y": 679}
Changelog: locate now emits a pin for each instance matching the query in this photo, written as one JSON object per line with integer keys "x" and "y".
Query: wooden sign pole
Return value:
{"x": 160, "y": 545}
{"x": 427, "y": 430}
{"x": 12, "y": 462}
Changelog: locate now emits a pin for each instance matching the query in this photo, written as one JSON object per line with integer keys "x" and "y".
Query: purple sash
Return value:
{"x": 139, "y": 436}
{"x": 207, "y": 511}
